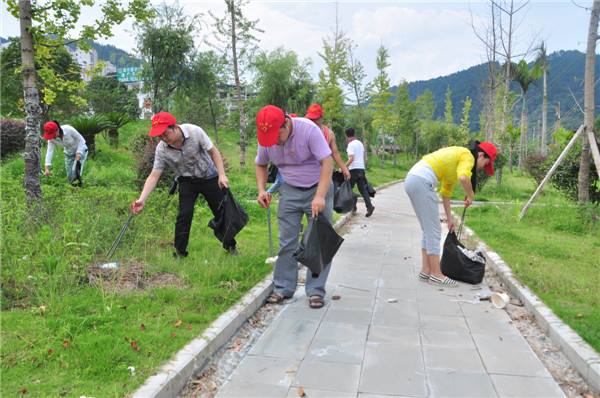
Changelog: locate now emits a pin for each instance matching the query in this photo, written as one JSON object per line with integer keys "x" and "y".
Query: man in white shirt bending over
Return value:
{"x": 356, "y": 165}
{"x": 75, "y": 149}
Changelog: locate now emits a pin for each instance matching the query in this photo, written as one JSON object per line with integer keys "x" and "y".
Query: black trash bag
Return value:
{"x": 318, "y": 246}
{"x": 337, "y": 178}
{"x": 231, "y": 221}
{"x": 343, "y": 198}
{"x": 77, "y": 181}
{"x": 370, "y": 190}
{"x": 460, "y": 263}
{"x": 273, "y": 170}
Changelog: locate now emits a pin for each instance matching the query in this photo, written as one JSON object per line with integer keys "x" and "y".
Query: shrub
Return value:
{"x": 566, "y": 175}
{"x": 12, "y": 137}
{"x": 536, "y": 166}
{"x": 143, "y": 147}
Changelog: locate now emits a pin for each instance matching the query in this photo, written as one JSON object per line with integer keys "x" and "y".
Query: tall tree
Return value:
{"x": 282, "y": 80}
{"x": 335, "y": 55}
{"x": 106, "y": 94}
{"x": 583, "y": 179}
{"x": 525, "y": 76}
{"x": 354, "y": 76}
{"x": 425, "y": 108}
{"x": 542, "y": 60}
{"x": 464, "y": 128}
{"x": 406, "y": 119}
{"x": 237, "y": 32}
{"x": 448, "y": 107}
{"x": 166, "y": 44}
{"x": 48, "y": 24}
{"x": 382, "y": 115}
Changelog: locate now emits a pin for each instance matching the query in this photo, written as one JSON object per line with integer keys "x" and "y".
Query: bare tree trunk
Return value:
{"x": 507, "y": 72}
{"x": 544, "y": 115}
{"x": 491, "y": 114}
{"x": 238, "y": 88}
{"x": 583, "y": 180}
{"x": 523, "y": 137}
{"x": 113, "y": 137}
{"x": 33, "y": 190}
{"x": 214, "y": 119}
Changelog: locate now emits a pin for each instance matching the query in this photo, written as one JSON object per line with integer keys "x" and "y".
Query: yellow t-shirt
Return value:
{"x": 449, "y": 164}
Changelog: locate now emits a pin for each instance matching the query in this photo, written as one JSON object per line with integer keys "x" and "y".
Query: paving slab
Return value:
{"x": 387, "y": 334}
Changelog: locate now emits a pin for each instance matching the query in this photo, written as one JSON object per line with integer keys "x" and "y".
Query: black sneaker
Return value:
{"x": 177, "y": 254}
{"x": 233, "y": 251}
{"x": 370, "y": 211}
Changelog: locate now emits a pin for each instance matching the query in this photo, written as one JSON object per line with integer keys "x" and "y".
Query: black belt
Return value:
{"x": 305, "y": 188}
{"x": 194, "y": 179}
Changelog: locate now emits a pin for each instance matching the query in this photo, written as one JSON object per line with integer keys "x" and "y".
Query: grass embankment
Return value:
{"x": 62, "y": 335}
{"x": 554, "y": 249}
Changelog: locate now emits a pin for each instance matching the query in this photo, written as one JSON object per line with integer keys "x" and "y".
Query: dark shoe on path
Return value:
{"x": 316, "y": 302}
{"x": 370, "y": 211}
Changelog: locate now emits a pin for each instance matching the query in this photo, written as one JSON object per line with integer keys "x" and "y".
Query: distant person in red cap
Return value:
{"x": 299, "y": 150}
{"x": 198, "y": 167}
{"x": 445, "y": 167}
{"x": 315, "y": 113}
{"x": 74, "y": 149}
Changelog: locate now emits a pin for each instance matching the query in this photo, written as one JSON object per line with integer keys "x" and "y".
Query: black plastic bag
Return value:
{"x": 370, "y": 190}
{"x": 231, "y": 220}
{"x": 319, "y": 244}
{"x": 337, "y": 178}
{"x": 273, "y": 170}
{"x": 460, "y": 263}
{"x": 343, "y": 198}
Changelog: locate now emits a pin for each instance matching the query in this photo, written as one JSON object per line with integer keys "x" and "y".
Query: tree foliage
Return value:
{"x": 166, "y": 43}
{"x": 282, "y": 80}
{"x": 106, "y": 94}
{"x": 62, "y": 102}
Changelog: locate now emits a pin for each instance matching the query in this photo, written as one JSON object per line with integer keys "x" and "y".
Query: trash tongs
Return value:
{"x": 119, "y": 237}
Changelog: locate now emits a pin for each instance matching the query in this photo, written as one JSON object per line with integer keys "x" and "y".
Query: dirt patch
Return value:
{"x": 126, "y": 276}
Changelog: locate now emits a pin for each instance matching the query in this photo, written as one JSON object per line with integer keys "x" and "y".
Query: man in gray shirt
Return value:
{"x": 198, "y": 165}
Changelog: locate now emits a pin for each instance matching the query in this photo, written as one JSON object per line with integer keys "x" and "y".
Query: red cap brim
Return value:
{"x": 49, "y": 136}
{"x": 270, "y": 138}
{"x": 157, "y": 130}
{"x": 313, "y": 116}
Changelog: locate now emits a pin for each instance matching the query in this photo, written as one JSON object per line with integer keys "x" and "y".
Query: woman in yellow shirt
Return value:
{"x": 445, "y": 166}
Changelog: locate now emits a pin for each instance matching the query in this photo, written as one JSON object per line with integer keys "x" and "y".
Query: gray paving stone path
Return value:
{"x": 390, "y": 335}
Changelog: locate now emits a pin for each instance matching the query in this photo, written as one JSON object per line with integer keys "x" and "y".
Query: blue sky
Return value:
{"x": 425, "y": 39}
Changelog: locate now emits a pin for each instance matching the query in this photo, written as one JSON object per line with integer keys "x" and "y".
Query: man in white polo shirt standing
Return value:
{"x": 356, "y": 165}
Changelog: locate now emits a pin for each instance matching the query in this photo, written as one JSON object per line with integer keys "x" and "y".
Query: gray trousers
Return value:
{"x": 294, "y": 203}
{"x": 425, "y": 202}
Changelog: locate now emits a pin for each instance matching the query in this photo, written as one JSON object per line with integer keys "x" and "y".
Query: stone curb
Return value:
{"x": 583, "y": 357}
{"x": 174, "y": 375}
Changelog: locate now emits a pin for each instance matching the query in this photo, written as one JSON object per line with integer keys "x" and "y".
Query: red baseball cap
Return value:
{"x": 490, "y": 150}
{"x": 160, "y": 122}
{"x": 50, "y": 130}
{"x": 314, "y": 112}
{"x": 268, "y": 122}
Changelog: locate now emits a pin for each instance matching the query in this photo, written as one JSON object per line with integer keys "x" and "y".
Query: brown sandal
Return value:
{"x": 275, "y": 298}
{"x": 316, "y": 302}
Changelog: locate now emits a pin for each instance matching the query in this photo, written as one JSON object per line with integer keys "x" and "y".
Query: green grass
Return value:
{"x": 62, "y": 336}
{"x": 555, "y": 250}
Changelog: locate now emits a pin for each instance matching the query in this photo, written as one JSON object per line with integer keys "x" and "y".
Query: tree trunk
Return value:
{"x": 90, "y": 141}
{"x": 238, "y": 88}
{"x": 33, "y": 190}
{"x": 507, "y": 74}
{"x": 214, "y": 119}
{"x": 523, "y": 137}
{"x": 583, "y": 180}
{"x": 510, "y": 155}
{"x": 382, "y": 152}
{"x": 544, "y": 115}
{"x": 113, "y": 138}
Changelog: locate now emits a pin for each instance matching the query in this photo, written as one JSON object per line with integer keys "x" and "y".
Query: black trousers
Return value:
{"x": 189, "y": 189}
{"x": 357, "y": 176}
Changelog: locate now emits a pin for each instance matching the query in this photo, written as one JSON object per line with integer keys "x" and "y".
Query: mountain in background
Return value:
{"x": 566, "y": 71}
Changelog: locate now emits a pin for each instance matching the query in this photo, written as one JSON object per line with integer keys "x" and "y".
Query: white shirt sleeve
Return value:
{"x": 49, "y": 153}
{"x": 205, "y": 141}
{"x": 350, "y": 150}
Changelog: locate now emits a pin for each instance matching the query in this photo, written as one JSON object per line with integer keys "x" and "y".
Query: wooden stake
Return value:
{"x": 551, "y": 171}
